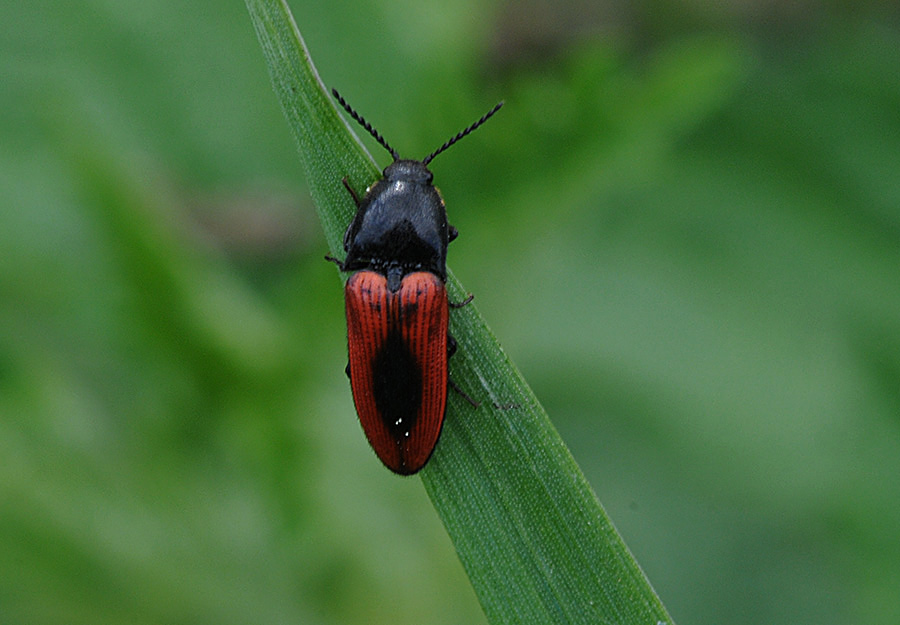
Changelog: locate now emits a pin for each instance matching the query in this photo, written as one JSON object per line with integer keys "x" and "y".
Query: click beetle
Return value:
{"x": 397, "y": 307}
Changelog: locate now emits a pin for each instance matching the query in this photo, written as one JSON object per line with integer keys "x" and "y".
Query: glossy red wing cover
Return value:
{"x": 398, "y": 364}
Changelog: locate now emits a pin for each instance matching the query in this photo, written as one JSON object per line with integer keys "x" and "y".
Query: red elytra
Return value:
{"x": 398, "y": 364}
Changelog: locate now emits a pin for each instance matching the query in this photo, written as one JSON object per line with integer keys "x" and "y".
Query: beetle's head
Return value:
{"x": 409, "y": 171}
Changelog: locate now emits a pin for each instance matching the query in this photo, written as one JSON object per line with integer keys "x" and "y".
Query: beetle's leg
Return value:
{"x": 451, "y": 349}
{"x": 465, "y": 395}
{"x": 465, "y": 302}
{"x": 347, "y": 186}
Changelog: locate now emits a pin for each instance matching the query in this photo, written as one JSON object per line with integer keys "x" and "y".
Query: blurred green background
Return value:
{"x": 684, "y": 227}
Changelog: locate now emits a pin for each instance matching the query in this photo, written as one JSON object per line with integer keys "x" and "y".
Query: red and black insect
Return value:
{"x": 397, "y": 307}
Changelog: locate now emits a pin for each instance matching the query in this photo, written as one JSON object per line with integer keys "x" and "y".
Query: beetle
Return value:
{"x": 397, "y": 307}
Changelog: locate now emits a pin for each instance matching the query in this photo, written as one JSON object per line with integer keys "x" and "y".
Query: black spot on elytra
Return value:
{"x": 397, "y": 385}
{"x": 409, "y": 309}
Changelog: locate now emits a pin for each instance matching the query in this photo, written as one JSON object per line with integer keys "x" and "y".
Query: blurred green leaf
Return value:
{"x": 530, "y": 532}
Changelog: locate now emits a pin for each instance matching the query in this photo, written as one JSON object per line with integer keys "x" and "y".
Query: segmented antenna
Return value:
{"x": 462, "y": 134}
{"x": 362, "y": 122}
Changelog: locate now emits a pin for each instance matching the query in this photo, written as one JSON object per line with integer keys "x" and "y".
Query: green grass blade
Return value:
{"x": 529, "y": 530}
{"x": 328, "y": 151}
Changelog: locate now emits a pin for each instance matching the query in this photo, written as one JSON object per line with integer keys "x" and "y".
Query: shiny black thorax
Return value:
{"x": 400, "y": 226}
